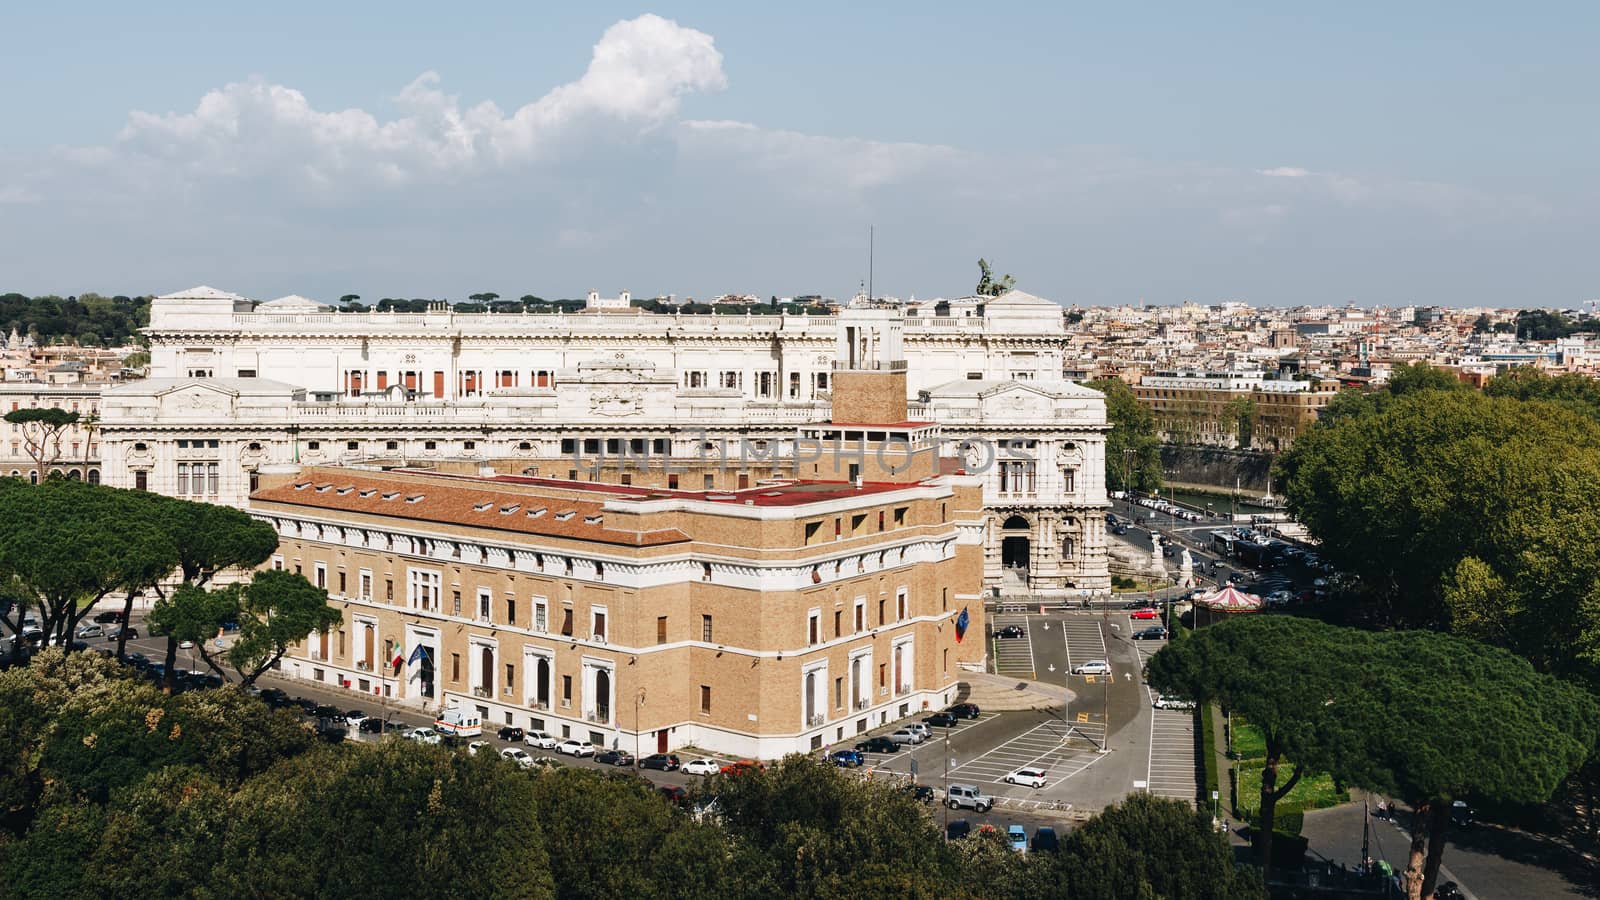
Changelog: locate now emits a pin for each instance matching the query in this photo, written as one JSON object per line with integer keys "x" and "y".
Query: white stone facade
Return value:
{"x": 235, "y": 388}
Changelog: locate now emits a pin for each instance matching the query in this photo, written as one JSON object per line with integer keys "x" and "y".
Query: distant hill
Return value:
{"x": 90, "y": 320}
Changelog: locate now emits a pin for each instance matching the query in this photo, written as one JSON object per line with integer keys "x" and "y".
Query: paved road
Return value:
{"x": 1488, "y": 862}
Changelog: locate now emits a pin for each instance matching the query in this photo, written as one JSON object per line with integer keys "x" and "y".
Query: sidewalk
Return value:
{"x": 1001, "y": 692}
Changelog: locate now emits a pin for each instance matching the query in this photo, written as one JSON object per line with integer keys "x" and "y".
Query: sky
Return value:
{"x": 1368, "y": 153}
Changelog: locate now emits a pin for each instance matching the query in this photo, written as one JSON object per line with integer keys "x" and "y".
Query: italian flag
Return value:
{"x": 399, "y": 656}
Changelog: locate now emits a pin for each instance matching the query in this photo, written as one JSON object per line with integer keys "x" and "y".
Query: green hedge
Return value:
{"x": 1208, "y": 752}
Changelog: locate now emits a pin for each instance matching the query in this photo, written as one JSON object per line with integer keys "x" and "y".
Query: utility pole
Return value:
{"x": 638, "y": 703}
{"x": 947, "y": 785}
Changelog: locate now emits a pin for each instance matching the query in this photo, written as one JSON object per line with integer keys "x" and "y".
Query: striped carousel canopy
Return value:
{"x": 1229, "y": 599}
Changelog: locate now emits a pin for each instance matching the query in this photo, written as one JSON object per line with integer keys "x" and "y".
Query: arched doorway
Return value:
{"x": 73, "y": 475}
{"x": 811, "y": 696}
{"x": 488, "y": 670}
{"x": 541, "y": 682}
{"x": 855, "y": 682}
{"x": 1015, "y": 543}
{"x": 602, "y": 694}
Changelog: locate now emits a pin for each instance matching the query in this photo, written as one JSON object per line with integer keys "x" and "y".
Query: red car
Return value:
{"x": 742, "y": 766}
{"x": 1144, "y": 614}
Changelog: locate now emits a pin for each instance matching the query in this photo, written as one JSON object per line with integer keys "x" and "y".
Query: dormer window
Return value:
{"x": 391, "y": 495}
{"x": 482, "y": 507}
{"x": 564, "y": 515}
{"x": 536, "y": 513}
{"x": 368, "y": 492}
{"x": 345, "y": 490}
{"x": 593, "y": 520}
{"x": 416, "y": 498}
{"x": 302, "y": 485}
{"x": 324, "y": 488}
{"x": 508, "y": 510}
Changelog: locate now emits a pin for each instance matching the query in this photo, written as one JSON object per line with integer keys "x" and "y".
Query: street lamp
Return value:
{"x": 638, "y": 703}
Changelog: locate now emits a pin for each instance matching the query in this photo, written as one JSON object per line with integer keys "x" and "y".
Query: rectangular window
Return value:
{"x": 838, "y": 692}
{"x": 212, "y": 480}
{"x": 944, "y": 599}
{"x": 882, "y": 619}
{"x": 455, "y": 603}
{"x": 861, "y": 614}
{"x": 388, "y": 589}
{"x": 455, "y": 667}
{"x": 364, "y": 583}
{"x": 813, "y": 628}
{"x": 705, "y": 698}
{"x": 511, "y": 676}
{"x": 566, "y": 690}
{"x": 902, "y": 605}
{"x": 661, "y": 629}
{"x": 511, "y": 611}
{"x": 141, "y": 480}
{"x": 484, "y": 600}
{"x": 838, "y": 622}
{"x": 424, "y": 589}
{"x": 341, "y": 584}
{"x": 541, "y": 615}
{"x": 566, "y": 622}
{"x": 705, "y": 629}
{"x": 320, "y": 575}
{"x": 183, "y": 478}
{"x": 277, "y": 563}
{"x": 599, "y": 621}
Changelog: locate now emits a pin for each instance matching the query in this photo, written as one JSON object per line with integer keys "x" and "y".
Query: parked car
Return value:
{"x": 1010, "y": 631}
{"x": 1092, "y": 667}
{"x": 921, "y": 793}
{"x": 1164, "y": 702}
{"x": 920, "y": 728}
{"x": 666, "y": 762}
{"x": 539, "y": 739}
{"x": 475, "y": 746}
{"x": 1153, "y": 633}
{"x": 1278, "y": 599}
{"x": 673, "y": 794}
{"x": 116, "y": 632}
{"x": 424, "y": 736}
{"x": 1045, "y": 840}
{"x": 324, "y": 711}
{"x": 545, "y": 762}
{"x": 941, "y": 720}
{"x": 575, "y": 748}
{"x": 107, "y": 617}
{"x": 847, "y": 759}
{"x": 964, "y": 710}
{"x": 89, "y": 630}
{"x": 1144, "y": 613}
{"x": 879, "y": 744}
{"x": 517, "y": 755}
{"x": 906, "y": 736}
{"x": 1027, "y": 776}
{"x": 1140, "y": 604}
{"x": 701, "y": 767}
{"x": 1461, "y": 815}
{"x": 957, "y": 830}
{"x": 1017, "y": 837}
{"x": 370, "y": 725}
{"x": 741, "y": 767}
{"x": 509, "y": 733}
{"x": 614, "y": 758}
{"x": 968, "y": 796}
{"x": 354, "y": 718}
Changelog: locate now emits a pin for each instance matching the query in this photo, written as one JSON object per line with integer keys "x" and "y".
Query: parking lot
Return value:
{"x": 1014, "y": 656}
{"x": 1062, "y": 750}
{"x": 1085, "y": 638}
{"x": 1171, "y": 772}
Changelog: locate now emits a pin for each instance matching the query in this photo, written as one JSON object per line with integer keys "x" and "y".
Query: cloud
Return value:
{"x": 16, "y": 194}
{"x": 640, "y": 71}
{"x": 1285, "y": 172}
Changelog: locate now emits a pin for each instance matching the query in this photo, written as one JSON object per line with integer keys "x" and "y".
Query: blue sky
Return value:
{"x": 1374, "y": 153}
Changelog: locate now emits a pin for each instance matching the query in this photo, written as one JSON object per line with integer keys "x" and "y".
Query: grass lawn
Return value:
{"x": 1311, "y": 792}
{"x": 1248, "y": 742}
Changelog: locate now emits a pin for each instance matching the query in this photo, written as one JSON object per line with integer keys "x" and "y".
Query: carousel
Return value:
{"x": 1224, "y": 602}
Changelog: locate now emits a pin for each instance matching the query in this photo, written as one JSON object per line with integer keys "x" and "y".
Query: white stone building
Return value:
{"x": 235, "y": 386}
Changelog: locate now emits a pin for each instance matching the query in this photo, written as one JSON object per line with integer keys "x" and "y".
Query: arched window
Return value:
{"x": 94, "y": 476}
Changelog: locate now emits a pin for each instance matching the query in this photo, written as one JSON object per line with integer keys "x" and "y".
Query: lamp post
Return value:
{"x": 638, "y": 704}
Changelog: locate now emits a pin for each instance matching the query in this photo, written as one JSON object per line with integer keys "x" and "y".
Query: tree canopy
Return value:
{"x": 1133, "y": 449}
{"x": 86, "y": 320}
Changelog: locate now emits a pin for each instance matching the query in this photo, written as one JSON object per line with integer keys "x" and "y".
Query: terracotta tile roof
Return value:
{"x": 472, "y": 506}
{"x": 791, "y": 493}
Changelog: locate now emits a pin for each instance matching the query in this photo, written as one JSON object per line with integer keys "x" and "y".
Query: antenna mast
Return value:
{"x": 871, "y": 246}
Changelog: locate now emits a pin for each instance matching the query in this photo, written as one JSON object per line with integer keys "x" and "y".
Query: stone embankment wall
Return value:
{"x": 1217, "y": 467}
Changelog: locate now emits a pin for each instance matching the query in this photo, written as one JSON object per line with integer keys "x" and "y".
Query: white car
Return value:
{"x": 518, "y": 756}
{"x": 539, "y": 739}
{"x": 701, "y": 767}
{"x": 920, "y": 728}
{"x": 186, "y": 645}
{"x": 1034, "y": 778}
{"x": 907, "y": 736}
{"x": 1162, "y": 702}
{"x": 475, "y": 746}
{"x": 424, "y": 736}
{"x": 575, "y": 748}
{"x": 1092, "y": 667}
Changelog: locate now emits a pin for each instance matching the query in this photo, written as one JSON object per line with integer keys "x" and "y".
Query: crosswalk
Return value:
{"x": 1014, "y": 656}
{"x": 1060, "y": 750}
